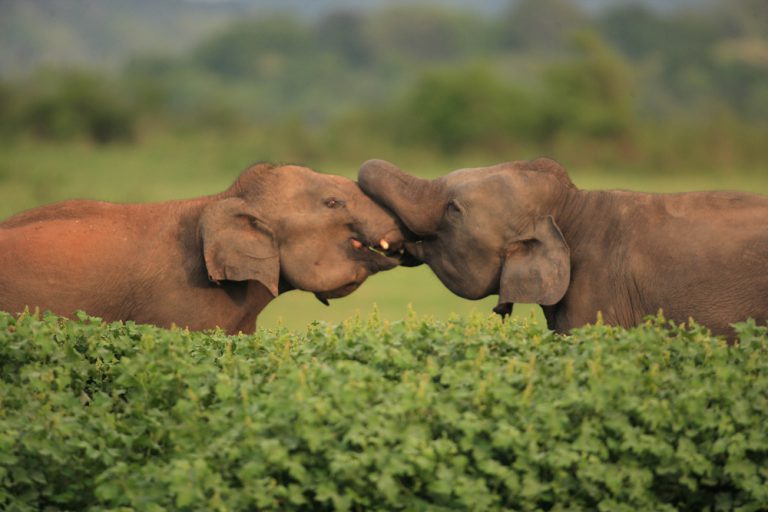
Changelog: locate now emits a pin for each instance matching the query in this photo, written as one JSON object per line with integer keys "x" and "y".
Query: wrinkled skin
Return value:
{"x": 522, "y": 230}
{"x": 198, "y": 263}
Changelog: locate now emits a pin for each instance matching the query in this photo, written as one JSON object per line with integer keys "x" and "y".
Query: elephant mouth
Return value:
{"x": 384, "y": 255}
{"x": 413, "y": 254}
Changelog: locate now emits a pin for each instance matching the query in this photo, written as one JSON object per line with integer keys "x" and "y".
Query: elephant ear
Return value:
{"x": 237, "y": 246}
{"x": 537, "y": 268}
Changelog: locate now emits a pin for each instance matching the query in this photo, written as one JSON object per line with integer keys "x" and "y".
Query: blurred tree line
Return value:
{"x": 626, "y": 84}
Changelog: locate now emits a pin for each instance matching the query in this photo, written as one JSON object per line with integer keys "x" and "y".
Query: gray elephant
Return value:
{"x": 198, "y": 263}
{"x": 522, "y": 230}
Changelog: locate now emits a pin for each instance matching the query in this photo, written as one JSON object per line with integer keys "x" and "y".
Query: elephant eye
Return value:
{"x": 453, "y": 207}
{"x": 334, "y": 203}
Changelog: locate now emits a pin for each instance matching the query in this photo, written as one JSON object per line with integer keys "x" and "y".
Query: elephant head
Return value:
{"x": 483, "y": 231}
{"x": 289, "y": 227}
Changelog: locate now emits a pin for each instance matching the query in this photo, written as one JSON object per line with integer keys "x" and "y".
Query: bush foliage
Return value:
{"x": 416, "y": 415}
{"x": 64, "y": 106}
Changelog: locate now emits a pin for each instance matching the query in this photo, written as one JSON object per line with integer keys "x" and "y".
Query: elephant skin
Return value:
{"x": 213, "y": 261}
{"x": 522, "y": 230}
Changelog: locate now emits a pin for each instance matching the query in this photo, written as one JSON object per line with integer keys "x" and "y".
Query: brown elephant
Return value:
{"x": 198, "y": 263}
{"x": 522, "y": 230}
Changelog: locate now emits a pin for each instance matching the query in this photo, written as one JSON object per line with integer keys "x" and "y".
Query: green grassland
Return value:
{"x": 174, "y": 167}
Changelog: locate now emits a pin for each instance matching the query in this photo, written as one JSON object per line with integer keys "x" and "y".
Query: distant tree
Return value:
{"x": 696, "y": 61}
{"x": 468, "y": 107}
{"x": 343, "y": 33}
{"x": 741, "y": 58}
{"x": 428, "y": 34}
{"x": 69, "y": 105}
{"x": 634, "y": 29}
{"x": 255, "y": 48}
{"x": 745, "y": 18}
{"x": 540, "y": 25}
{"x": 589, "y": 95}
{"x": 678, "y": 38}
{"x": 8, "y": 107}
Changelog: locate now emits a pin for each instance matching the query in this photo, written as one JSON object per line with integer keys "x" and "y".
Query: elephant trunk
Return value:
{"x": 417, "y": 202}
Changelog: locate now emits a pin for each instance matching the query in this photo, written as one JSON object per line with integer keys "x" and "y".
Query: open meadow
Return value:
{"x": 177, "y": 167}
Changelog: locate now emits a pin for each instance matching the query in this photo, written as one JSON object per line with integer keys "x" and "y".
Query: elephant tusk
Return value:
{"x": 357, "y": 244}
{"x": 384, "y": 244}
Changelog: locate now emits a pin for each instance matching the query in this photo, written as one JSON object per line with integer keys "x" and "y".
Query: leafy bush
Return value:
{"x": 418, "y": 414}
{"x": 71, "y": 105}
{"x": 590, "y": 95}
{"x": 462, "y": 108}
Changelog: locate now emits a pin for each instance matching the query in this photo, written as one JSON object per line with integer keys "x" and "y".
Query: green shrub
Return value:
{"x": 415, "y": 415}
{"x": 588, "y": 96}
{"x": 74, "y": 105}
{"x": 470, "y": 107}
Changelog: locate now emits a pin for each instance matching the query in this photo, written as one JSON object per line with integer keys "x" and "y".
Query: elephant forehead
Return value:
{"x": 297, "y": 183}
{"x": 328, "y": 183}
{"x": 498, "y": 188}
{"x": 472, "y": 173}
{"x": 298, "y": 175}
{"x": 478, "y": 185}
{"x": 496, "y": 205}
{"x": 265, "y": 182}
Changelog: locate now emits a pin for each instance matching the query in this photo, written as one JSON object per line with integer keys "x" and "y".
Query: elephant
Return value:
{"x": 212, "y": 261}
{"x": 524, "y": 231}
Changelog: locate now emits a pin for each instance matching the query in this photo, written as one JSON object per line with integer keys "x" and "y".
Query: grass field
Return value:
{"x": 172, "y": 168}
